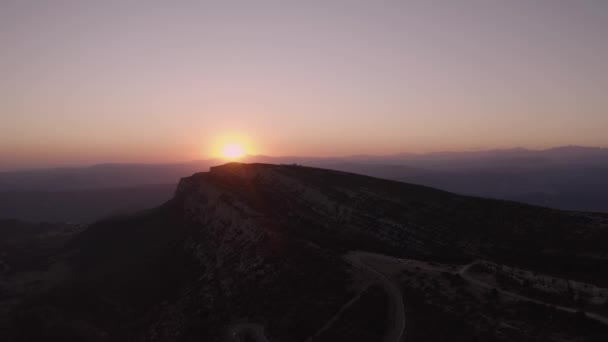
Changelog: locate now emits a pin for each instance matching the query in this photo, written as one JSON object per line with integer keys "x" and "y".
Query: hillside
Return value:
{"x": 274, "y": 252}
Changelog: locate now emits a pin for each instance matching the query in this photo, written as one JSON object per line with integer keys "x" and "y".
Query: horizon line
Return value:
{"x": 363, "y": 155}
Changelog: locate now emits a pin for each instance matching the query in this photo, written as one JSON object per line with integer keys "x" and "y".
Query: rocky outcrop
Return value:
{"x": 263, "y": 244}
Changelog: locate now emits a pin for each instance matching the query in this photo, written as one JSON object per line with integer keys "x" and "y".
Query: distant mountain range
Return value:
{"x": 264, "y": 252}
{"x": 571, "y": 178}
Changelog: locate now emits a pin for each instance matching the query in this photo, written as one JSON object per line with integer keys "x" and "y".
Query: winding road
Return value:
{"x": 396, "y": 317}
{"x": 396, "y": 320}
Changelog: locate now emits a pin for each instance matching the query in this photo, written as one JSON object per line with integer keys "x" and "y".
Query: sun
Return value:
{"x": 233, "y": 151}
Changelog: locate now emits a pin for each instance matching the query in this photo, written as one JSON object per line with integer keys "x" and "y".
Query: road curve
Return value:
{"x": 336, "y": 316}
{"x": 396, "y": 316}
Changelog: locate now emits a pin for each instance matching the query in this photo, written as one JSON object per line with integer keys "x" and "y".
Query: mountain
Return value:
{"x": 569, "y": 178}
{"x": 290, "y": 253}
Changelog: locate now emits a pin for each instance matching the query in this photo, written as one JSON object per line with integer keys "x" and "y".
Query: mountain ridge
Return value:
{"x": 265, "y": 244}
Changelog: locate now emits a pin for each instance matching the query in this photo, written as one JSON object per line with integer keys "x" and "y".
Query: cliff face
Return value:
{"x": 344, "y": 211}
{"x": 220, "y": 252}
{"x": 265, "y": 244}
{"x": 245, "y": 266}
{"x": 276, "y": 234}
{"x": 336, "y": 210}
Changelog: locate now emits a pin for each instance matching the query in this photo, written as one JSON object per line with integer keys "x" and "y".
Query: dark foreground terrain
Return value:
{"x": 259, "y": 252}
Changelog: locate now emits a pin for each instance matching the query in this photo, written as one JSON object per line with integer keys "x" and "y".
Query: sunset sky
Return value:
{"x": 85, "y": 82}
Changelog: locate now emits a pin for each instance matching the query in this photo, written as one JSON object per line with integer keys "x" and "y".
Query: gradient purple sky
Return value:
{"x": 151, "y": 81}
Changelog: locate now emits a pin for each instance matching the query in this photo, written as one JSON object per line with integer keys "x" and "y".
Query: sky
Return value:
{"x": 85, "y": 82}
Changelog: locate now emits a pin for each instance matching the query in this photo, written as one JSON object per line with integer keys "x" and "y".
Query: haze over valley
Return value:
{"x": 569, "y": 178}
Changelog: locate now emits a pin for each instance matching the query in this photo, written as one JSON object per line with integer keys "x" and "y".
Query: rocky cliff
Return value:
{"x": 264, "y": 244}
